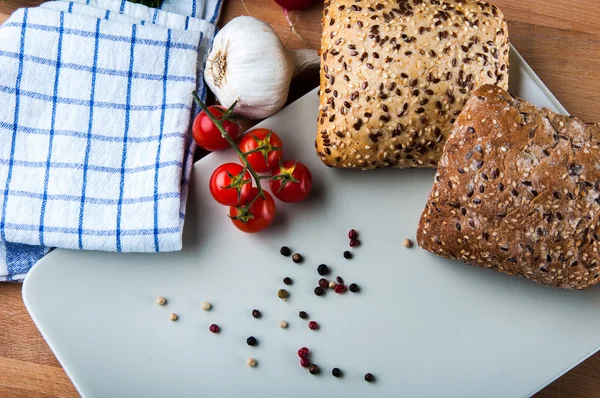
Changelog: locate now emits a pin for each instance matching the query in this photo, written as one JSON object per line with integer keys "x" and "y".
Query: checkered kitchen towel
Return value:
{"x": 94, "y": 142}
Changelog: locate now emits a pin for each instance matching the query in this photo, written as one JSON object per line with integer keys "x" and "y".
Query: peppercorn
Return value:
{"x": 354, "y": 242}
{"x": 323, "y": 283}
{"x": 173, "y": 317}
{"x": 323, "y": 269}
{"x": 283, "y": 294}
{"x": 205, "y": 306}
{"x": 319, "y": 291}
{"x": 214, "y": 328}
{"x": 285, "y": 251}
{"x": 353, "y": 288}
{"x": 339, "y": 279}
{"x": 256, "y": 314}
{"x": 283, "y": 324}
{"x": 341, "y": 288}
{"x": 297, "y": 258}
{"x": 303, "y": 352}
{"x": 251, "y": 341}
{"x": 303, "y": 315}
{"x": 352, "y": 234}
{"x": 304, "y": 362}
{"x": 160, "y": 300}
{"x": 336, "y": 372}
{"x": 314, "y": 369}
{"x": 287, "y": 281}
{"x": 407, "y": 243}
{"x": 347, "y": 255}
{"x": 332, "y": 285}
{"x": 312, "y": 325}
{"x": 369, "y": 377}
{"x": 251, "y": 362}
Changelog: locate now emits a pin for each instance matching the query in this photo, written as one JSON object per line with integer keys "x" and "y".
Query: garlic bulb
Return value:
{"x": 249, "y": 64}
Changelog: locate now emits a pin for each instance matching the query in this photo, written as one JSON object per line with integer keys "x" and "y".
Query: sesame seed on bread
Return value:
{"x": 395, "y": 75}
{"x": 518, "y": 190}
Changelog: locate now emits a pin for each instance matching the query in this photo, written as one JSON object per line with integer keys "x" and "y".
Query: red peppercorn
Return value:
{"x": 303, "y": 352}
{"x": 304, "y": 362}
{"x": 323, "y": 283}
{"x": 340, "y": 288}
{"x": 214, "y": 328}
{"x": 354, "y": 242}
{"x": 312, "y": 325}
{"x": 352, "y": 234}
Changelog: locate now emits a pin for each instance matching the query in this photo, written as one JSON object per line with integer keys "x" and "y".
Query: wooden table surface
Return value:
{"x": 560, "y": 39}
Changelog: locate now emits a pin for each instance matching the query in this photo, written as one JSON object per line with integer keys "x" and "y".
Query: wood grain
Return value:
{"x": 560, "y": 39}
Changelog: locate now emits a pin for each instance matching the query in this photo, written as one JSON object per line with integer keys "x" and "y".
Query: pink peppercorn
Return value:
{"x": 214, "y": 328}
{"x": 303, "y": 352}
{"x": 312, "y": 325}
{"x": 352, "y": 234}
{"x": 354, "y": 242}
{"x": 340, "y": 288}
{"x": 323, "y": 283}
{"x": 304, "y": 362}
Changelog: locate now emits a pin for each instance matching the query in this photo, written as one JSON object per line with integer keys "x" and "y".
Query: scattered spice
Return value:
{"x": 336, "y": 372}
{"x": 256, "y": 314}
{"x": 283, "y": 294}
{"x": 303, "y": 315}
{"x": 251, "y": 341}
{"x": 339, "y": 279}
{"x": 214, "y": 328}
{"x": 323, "y": 269}
{"x": 314, "y": 369}
{"x": 407, "y": 243}
{"x": 287, "y": 281}
{"x": 319, "y": 291}
{"x": 303, "y": 352}
{"x": 352, "y": 234}
{"x": 312, "y": 325}
{"x": 283, "y": 324}
{"x": 173, "y": 317}
{"x": 354, "y": 288}
{"x": 323, "y": 283}
{"x": 285, "y": 251}
{"x": 251, "y": 362}
{"x": 304, "y": 362}
{"x": 340, "y": 288}
{"x": 332, "y": 285}
{"x": 354, "y": 242}
{"x": 160, "y": 300}
{"x": 347, "y": 255}
{"x": 297, "y": 258}
{"x": 205, "y": 306}
{"x": 369, "y": 377}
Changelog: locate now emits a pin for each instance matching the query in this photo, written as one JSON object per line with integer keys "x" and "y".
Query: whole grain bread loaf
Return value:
{"x": 395, "y": 75}
{"x": 518, "y": 190}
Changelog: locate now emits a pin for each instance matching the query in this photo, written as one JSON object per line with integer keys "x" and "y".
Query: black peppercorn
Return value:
{"x": 256, "y": 314}
{"x": 285, "y": 251}
{"x": 287, "y": 281}
{"x": 313, "y": 369}
{"x": 303, "y": 315}
{"x": 323, "y": 269}
{"x": 251, "y": 341}
{"x": 336, "y": 372}
{"x": 339, "y": 279}
{"x": 347, "y": 255}
{"x": 297, "y": 258}
{"x": 319, "y": 291}
{"x": 369, "y": 377}
{"x": 354, "y": 288}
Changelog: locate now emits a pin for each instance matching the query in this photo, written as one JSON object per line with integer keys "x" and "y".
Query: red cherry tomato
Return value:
{"x": 269, "y": 156}
{"x": 258, "y": 217}
{"x": 293, "y": 182}
{"x": 207, "y": 135}
{"x": 229, "y": 185}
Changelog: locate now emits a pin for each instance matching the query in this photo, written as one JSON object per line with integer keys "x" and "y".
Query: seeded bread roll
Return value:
{"x": 394, "y": 76}
{"x": 518, "y": 190}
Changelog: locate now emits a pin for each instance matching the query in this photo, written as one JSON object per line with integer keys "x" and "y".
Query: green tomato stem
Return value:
{"x": 231, "y": 142}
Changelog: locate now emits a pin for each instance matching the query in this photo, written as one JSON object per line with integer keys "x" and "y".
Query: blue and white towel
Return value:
{"x": 95, "y": 148}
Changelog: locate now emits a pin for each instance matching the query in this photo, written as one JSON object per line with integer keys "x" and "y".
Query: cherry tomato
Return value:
{"x": 207, "y": 135}
{"x": 229, "y": 185}
{"x": 293, "y": 182}
{"x": 258, "y": 217}
{"x": 269, "y": 156}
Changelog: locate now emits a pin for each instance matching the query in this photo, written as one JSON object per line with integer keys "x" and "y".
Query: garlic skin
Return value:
{"x": 249, "y": 64}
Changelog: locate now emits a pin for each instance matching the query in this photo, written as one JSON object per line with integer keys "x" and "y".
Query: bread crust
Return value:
{"x": 395, "y": 75}
{"x": 518, "y": 190}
